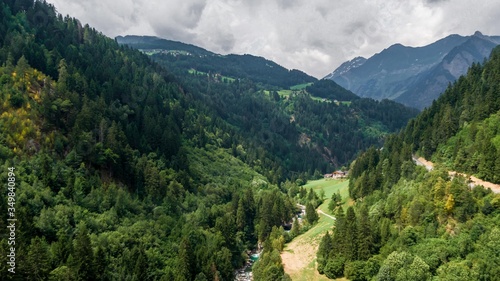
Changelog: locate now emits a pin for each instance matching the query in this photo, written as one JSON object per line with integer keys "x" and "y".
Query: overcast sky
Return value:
{"x": 315, "y": 36}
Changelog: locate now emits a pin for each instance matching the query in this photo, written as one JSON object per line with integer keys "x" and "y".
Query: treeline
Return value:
{"x": 248, "y": 67}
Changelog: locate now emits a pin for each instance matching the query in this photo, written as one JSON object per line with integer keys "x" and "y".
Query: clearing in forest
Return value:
{"x": 299, "y": 256}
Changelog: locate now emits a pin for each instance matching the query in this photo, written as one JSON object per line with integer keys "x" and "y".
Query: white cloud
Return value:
{"x": 313, "y": 36}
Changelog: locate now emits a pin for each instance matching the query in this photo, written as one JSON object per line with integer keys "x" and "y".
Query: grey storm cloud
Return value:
{"x": 314, "y": 36}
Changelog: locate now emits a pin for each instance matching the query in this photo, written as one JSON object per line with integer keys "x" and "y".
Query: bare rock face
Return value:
{"x": 414, "y": 76}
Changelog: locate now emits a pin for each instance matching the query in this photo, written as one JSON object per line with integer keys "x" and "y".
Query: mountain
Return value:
{"x": 414, "y": 76}
{"x": 153, "y": 43}
{"x": 233, "y": 85}
{"x": 410, "y": 222}
{"x": 186, "y": 57}
{"x": 120, "y": 166}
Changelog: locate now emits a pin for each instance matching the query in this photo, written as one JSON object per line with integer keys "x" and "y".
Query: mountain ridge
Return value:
{"x": 257, "y": 68}
{"x": 402, "y": 73}
{"x": 406, "y": 216}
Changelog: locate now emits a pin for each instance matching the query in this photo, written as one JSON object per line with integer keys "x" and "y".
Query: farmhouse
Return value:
{"x": 339, "y": 174}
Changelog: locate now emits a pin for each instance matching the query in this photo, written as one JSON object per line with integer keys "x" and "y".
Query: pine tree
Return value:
{"x": 38, "y": 262}
{"x": 101, "y": 262}
{"x": 83, "y": 255}
{"x": 336, "y": 201}
{"x": 339, "y": 233}
{"x": 325, "y": 246}
{"x": 311, "y": 214}
{"x": 295, "y": 228}
{"x": 351, "y": 234}
{"x": 364, "y": 237}
{"x": 240, "y": 216}
{"x": 186, "y": 263}
{"x": 141, "y": 266}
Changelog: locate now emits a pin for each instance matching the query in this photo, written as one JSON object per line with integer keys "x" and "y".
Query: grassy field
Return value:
{"x": 196, "y": 72}
{"x": 285, "y": 93}
{"x": 331, "y": 186}
{"x": 299, "y": 256}
{"x": 282, "y": 93}
{"x": 300, "y": 86}
{"x": 227, "y": 79}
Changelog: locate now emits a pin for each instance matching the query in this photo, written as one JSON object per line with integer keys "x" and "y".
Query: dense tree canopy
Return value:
{"x": 414, "y": 224}
{"x": 126, "y": 171}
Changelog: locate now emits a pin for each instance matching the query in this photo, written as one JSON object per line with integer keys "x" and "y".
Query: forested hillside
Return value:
{"x": 119, "y": 175}
{"x": 461, "y": 130}
{"x": 125, "y": 170}
{"x": 412, "y": 224}
{"x": 185, "y": 56}
{"x": 303, "y": 129}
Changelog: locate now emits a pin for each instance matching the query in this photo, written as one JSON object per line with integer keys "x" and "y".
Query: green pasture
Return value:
{"x": 300, "y": 86}
{"x": 331, "y": 186}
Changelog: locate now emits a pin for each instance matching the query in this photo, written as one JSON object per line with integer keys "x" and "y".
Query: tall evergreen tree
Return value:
{"x": 325, "y": 247}
{"x": 311, "y": 214}
{"x": 83, "y": 255}
{"x": 141, "y": 266}
{"x": 351, "y": 235}
{"x": 185, "y": 262}
{"x": 38, "y": 261}
{"x": 339, "y": 234}
{"x": 364, "y": 235}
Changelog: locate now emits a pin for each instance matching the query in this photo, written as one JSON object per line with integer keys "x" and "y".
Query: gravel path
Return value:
{"x": 473, "y": 180}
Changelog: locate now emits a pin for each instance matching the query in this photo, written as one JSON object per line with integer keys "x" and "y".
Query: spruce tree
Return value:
{"x": 83, "y": 255}
{"x": 311, "y": 214}
{"x": 364, "y": 237}
{"x": 240, "y": 215}
{"x": 38, "y": 261}
{"x": 325, "y": 246}
{"x": 101, "y": 261}
{"x": 141, "y": 266}
{"x": 339, "y": 233}
{"x": 351, "y": 235}
{"x": 295, "y": 228}
{"x": 185, "y": 259}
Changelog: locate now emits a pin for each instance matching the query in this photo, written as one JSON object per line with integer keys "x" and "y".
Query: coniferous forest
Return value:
{"x": 121, "y": 169}
{"x": 121, "y": 165}
{"x": 412, "y": 224}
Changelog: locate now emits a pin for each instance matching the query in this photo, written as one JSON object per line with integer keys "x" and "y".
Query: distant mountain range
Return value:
{"x": 414, "y": 76}
{"x": 187, "y": 56}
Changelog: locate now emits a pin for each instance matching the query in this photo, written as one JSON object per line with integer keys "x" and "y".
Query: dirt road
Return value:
{"x": 325, "y": 214}
{"x": 473, "y": 180}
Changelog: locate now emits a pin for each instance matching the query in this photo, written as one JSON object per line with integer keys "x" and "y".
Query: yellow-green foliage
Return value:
{"x": 20, "y": 92}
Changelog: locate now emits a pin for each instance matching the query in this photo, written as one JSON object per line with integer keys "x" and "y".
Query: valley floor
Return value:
{"x": 299, "y": 256}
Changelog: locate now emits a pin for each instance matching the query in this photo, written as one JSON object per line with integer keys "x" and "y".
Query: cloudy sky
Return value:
{"x": 315, "y": 36}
